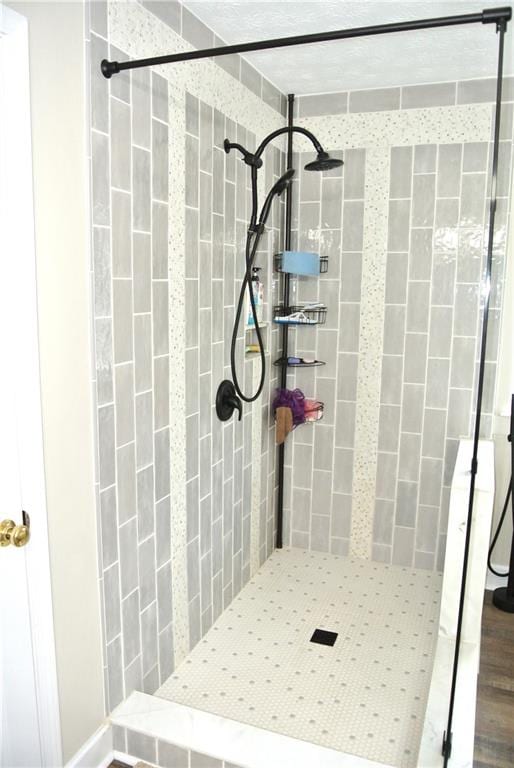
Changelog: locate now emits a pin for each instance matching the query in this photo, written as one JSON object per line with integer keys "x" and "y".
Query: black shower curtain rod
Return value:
{"x": 487, "y": 16}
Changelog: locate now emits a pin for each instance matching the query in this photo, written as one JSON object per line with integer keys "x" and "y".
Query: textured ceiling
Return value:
{"x": 425, "y": 56}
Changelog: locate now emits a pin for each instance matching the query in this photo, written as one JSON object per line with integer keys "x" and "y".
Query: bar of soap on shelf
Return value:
{"x": 300, "y": 262}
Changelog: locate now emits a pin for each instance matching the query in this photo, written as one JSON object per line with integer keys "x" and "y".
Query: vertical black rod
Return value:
{"x": 510, "y": 580}
{"x": 447, "y": 739}
{"x": 285, "y": 329}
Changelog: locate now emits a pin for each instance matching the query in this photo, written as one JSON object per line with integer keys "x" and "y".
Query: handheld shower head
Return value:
{"x": 277, "y": 189}
{"x": 282, "y": 183}
{"x": 323, "y": 162}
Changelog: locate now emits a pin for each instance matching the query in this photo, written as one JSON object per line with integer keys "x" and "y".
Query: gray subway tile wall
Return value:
{"x": 374, "y": 100}
{"x": 424, "y": 96}
{"x": 437, "y": 218}
{"x": 437, "y": 349}
{"x": 319, "y": 457}
{"x": 220, "y": 456}
{"x": 129, "y": 203}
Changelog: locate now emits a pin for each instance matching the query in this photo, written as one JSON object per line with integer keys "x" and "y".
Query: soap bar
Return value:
{"x": 300, "y": 262}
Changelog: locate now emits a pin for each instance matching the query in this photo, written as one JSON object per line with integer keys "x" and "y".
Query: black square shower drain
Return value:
{"x": 323, "y": 637}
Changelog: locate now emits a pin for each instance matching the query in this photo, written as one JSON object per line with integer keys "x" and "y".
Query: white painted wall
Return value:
{"x": 56, "y": 33}
{"x": 504, "y": 389}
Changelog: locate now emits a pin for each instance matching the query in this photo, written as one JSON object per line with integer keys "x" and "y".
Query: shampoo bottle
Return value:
{"x": 257, "y": 289}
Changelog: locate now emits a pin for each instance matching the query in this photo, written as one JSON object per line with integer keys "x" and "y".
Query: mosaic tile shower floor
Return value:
{"x": 364, "y": 696}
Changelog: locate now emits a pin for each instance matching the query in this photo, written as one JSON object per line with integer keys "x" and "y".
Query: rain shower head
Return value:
{"x": 323, "y": 162}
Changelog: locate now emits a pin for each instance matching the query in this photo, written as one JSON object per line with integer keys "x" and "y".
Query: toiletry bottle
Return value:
{"x": 257, "y": 289}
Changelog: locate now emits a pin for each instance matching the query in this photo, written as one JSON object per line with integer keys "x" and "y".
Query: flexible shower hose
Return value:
{"x": 250, "y": 252}
{"x": 497, "y": 533}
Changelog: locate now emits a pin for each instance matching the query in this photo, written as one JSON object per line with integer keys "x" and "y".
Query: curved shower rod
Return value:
{"x": 487, "y": 16}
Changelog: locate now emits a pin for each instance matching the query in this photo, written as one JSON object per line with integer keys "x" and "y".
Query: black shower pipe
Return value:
{"x": 501, "y": 27}
{"x": 487, "y": 16}
{"x": 285, "y": 328}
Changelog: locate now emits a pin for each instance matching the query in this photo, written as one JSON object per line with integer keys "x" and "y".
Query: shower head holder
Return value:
{"x": 248, "y": 157}
{"x": 257, "y": 228}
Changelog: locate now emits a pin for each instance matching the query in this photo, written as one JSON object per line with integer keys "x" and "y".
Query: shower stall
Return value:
{"x": 270, "y": 606}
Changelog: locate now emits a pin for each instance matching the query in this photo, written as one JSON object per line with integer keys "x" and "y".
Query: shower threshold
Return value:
{"x": 257, "y": 693}
{"x": 256, "y": 675}
{"x": 364, "y": 696}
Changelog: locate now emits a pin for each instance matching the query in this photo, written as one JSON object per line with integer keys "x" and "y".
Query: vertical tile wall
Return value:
{"x": 129, "y": 183}
{"x": 223, "y": 462}
{"x": 230, "y": 477}
{"x": 431, "y": 342}
{"x": 436, "y": 240}
{"x": 328, "y": 219}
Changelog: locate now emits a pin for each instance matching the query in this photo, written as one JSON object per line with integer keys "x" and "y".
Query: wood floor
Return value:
{"x": 494, "y": 729}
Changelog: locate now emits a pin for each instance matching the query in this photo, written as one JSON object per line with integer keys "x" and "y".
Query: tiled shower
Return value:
{"x": 187, "y": 505}
{"x": 425, "y": 331}
{"x": 156, "y": 322}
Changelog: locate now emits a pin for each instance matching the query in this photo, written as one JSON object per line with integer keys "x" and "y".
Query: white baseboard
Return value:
{"x": 123, "y": 757}
{"x": 97, "y": 752}
{"x": 492, "y": 581}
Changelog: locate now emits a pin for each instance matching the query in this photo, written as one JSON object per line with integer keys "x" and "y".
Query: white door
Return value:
{"x": 29, "y": 714}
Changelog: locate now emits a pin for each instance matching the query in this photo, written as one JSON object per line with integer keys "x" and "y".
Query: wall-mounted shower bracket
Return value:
{"x": 248, "y": 157}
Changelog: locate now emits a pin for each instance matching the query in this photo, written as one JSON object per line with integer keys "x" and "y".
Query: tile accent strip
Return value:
{"x": 177, "y": 384}
{"x": 374, "y": 258}
{"x": 402, "y": 127}
{"x": 184, "y": 22}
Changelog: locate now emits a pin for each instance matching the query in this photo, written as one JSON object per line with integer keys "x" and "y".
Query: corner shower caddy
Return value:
{"x": 323, "y": 264}
{"x": 316, "y": 315}
{"x": 285, "y": 362}
{"x": 500, "y": 18}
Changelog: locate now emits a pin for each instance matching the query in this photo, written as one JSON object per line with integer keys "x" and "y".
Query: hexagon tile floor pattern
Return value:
{"x": 364, "y": 696}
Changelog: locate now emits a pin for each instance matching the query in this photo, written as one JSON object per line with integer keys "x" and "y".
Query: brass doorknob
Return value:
{"x": 6, "y": 529}
{"x": 17, "y": 535}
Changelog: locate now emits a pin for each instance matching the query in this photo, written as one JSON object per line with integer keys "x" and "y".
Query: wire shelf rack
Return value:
{"x": 313, "y": 316}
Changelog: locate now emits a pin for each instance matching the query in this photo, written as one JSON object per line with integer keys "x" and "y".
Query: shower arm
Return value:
{"x": 288, "y": 129}
{"x": 255, "y": 161}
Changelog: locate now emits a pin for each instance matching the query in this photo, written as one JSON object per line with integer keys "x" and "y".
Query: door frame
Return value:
{"x": 20, "y": 268}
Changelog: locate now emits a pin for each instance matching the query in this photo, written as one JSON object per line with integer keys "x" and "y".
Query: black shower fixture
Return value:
{"x": 323, "y": 162}
{"x": 247, "y": 156}
{"x": 276, "y": 190}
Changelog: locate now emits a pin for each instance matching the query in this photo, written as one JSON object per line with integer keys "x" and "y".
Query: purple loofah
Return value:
{"x": 293, "y": 399}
